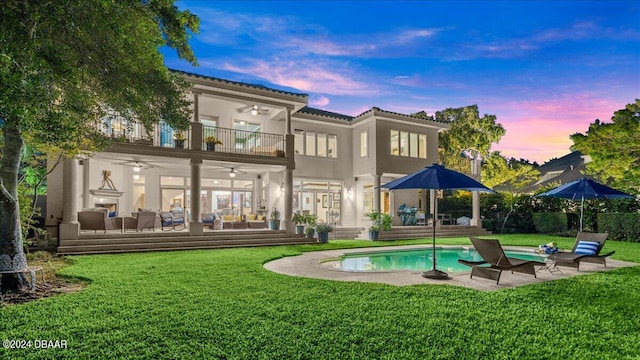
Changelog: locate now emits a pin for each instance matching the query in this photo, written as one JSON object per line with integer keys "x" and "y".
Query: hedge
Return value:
{"x": 620, "y": 226}
{"x": 550, "y": 222}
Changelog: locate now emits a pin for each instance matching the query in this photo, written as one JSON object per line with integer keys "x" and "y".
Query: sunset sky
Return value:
{"x": 546, "y": 69}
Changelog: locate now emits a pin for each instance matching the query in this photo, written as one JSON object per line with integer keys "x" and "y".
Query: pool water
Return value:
{"x": 420, "y": 259}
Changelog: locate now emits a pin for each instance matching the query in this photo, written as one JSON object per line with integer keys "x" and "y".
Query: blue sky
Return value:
{"x": 546, "y": 69}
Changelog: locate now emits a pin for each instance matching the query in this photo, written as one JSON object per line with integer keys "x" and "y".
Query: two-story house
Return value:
{"x": 273, "y": 152}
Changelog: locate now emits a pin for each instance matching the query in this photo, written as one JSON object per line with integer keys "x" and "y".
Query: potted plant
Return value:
{"x": 274, "y": 221}
{"x": 379, "y": 221}
{"x": 310, "y": 220}
{"x": 299, "y": 220}
{"x": 211, "y": 142}
{"x": 323, "y": 230}
{"x": 179, "y": 139}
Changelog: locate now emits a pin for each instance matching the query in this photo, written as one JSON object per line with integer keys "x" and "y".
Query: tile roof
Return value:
{"x": 569, "y": 168}
{"x": 238, "y": 83}
{"x": 324, "y": 113}
{"x": 377, "y": 109}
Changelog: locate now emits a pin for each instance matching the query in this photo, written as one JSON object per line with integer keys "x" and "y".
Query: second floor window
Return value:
{"x": 311, "y": 143}
{"x": 408, "y": 144}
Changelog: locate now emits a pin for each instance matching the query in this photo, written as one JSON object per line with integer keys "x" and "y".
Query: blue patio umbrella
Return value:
{"x": 436, "y": 177}
{"x": 585, "y": 188}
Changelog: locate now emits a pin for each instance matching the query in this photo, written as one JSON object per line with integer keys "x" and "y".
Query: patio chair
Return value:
{"x": 586, "y": 248}
{"x": 143, "y": 220}
{"x": 493, "y": 255}
{"x": 172, "y": 220}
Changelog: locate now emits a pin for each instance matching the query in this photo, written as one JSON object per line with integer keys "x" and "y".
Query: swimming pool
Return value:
{"x": 420, "y": 259}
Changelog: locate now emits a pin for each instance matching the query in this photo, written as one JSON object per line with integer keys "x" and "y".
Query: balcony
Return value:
{"x": 164, "y": 136}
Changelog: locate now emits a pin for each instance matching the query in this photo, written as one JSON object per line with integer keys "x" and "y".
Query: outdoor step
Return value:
{"x": 89, "y": 251}
{"x": 178, "y": 245}
{"x": 417, "y": 232}
{"x": 175, "y": 237}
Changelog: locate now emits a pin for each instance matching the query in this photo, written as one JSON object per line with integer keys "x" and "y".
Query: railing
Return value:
{"x": 162, "y": 135}
{"x": 245, "y": 142}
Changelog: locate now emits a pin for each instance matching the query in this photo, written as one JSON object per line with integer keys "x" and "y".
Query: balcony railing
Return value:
{"x": 162, "y": 135}
{"x": 245, "y": 142}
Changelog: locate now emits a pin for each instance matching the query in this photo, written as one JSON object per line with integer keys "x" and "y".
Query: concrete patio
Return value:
{"x": 325, "y": 265}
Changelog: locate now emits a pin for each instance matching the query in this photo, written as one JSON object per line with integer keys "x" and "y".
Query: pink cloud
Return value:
{"x": 319, "y": 100}
{"x": 539, "y": 129}
{"x": 307, "y": 75}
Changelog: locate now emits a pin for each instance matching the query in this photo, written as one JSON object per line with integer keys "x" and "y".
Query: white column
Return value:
{"x": 195, "y": 224}
{"x": 288, "y": 201}
{"x": 376, "y": 192}
{"x": 288, "y": 122}
{"x": 86, "y": 183}
{"x": 69, "y": 228}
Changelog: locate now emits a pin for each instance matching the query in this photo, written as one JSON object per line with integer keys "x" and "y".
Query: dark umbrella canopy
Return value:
{"x": 585, "y": 188}
{"x": 436, "y": 177}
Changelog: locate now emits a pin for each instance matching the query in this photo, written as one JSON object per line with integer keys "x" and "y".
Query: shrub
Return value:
{"x": 550, "y": 222}
{"x": 620, "y": 226}
{"x": 324, "y": 227}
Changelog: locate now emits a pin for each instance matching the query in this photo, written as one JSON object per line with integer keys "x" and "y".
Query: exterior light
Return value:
{"x": 136, "y": 168}
{"x": 349, "y": 192}
{"x": 232, "y": 173}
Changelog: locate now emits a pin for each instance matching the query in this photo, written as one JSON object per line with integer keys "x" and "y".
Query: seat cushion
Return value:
{"x": 587, "y": 247}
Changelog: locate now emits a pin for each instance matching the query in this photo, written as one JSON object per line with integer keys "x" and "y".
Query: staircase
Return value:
{"x": 176, "y": 240}
{"x": 345, "y": 232}
{"x": 419, "y": 232}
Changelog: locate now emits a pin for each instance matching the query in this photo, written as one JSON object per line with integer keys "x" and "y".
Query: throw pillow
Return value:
{"x": 587, "y": 247}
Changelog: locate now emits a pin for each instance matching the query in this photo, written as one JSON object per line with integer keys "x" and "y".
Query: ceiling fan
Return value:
{"x": 254, "y": 110}
{"x": 138, "y": 165}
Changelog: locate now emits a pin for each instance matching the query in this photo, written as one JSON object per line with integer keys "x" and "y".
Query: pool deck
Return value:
{"x": 324, "y": 265}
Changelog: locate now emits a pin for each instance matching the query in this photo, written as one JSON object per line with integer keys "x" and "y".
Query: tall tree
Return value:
{"x": 468, "y": 131}
{"x": 614, "y": 148}
{"x": 511, "y": 175}
{"x": 62, "y": 65}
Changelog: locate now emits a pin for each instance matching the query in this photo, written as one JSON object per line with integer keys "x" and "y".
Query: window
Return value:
{"x": 332, "y": 146}
{"x": 310, "y": 148}
{"x": 364, "y": 144}
{"x": 395, "y": 142}
{"x": 298, "y": 141}
{"x": 404, "y": 143}
{"x": 422, "y": 146}
{"x": 413, "y": 145}
{"x": 312, "y": 143}
{"x": 322, "y": 145}
{"x": 247, "y": 135}
{"x": 408, "y": 144}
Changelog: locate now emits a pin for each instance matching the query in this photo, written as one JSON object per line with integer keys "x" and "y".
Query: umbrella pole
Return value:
{"x": 435, "y": 273}
{"x": 581, "y": 212}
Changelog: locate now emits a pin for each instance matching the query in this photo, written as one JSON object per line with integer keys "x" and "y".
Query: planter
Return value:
{"x": 373, "y": 235}
{"x": 179, "y": 144}
{"x": 323, "y": 237}
{"x": 274, "y": 224}
{"x": 211, "y": 146}
{"x": 311, "y": 233}
{"x": 299, "y": 229}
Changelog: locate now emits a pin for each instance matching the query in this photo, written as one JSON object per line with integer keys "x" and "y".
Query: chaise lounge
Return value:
{"x": 493, "y": 255}
{"x": 586, "y": 248}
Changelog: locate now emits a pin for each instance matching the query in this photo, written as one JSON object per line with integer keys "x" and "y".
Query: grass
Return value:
{"x": 222, "y": 304}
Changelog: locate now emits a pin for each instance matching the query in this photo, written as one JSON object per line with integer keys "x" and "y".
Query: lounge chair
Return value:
{"x": 586, "y": 248}
{"x": 493, "y": 255}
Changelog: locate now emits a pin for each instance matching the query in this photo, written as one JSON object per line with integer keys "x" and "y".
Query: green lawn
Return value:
{"x": 222, "y": 304}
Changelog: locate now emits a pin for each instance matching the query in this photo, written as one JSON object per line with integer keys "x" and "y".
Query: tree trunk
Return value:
{"x": 12, "y": 255}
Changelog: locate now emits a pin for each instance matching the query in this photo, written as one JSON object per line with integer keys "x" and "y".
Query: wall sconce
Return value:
{"x": 281, "y": 189}
{"x": 349, "y": 192}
